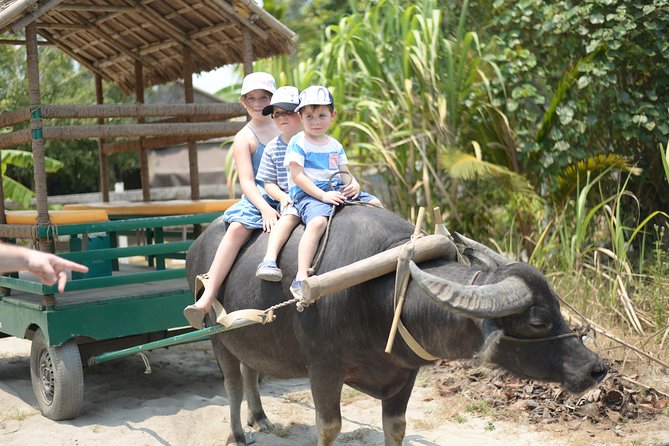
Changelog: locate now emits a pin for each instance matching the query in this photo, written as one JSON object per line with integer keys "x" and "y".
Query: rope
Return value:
{"x": 282, "y": 304}
{"x": 332, "y": 184}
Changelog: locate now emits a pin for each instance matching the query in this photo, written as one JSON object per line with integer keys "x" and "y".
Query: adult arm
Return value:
{"x": 48, "y": 267}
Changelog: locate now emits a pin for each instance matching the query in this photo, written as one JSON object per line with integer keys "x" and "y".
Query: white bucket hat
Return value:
{"x": 286, "y": 98}
{"x": 258, "y": 81}
{"x": 315, "y": 95}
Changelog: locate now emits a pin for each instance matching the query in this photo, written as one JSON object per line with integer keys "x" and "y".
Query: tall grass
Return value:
{"x": 595, "y": 240}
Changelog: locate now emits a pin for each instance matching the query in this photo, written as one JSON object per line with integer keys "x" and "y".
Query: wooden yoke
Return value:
{"x": 426, "y": 248}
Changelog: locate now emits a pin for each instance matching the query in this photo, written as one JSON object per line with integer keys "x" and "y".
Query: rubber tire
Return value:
{"x": 57, "y": 378}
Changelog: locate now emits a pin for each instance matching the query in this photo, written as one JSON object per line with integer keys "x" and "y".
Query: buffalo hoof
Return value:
{"x": 235, "y": 440}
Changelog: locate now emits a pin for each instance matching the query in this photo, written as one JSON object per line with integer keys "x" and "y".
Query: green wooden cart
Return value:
{"x": 118, "y": 305}
{"x": 114, "y": 307}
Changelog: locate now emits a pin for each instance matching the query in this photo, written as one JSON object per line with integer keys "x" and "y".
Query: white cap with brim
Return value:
{"x": 286, "y": 98}
{"x": 258, "y": 81}
{"x": 315, "y": 95}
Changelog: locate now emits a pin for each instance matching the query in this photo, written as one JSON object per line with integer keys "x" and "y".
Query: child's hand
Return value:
{"x": 269, "y": 218}
{"x": 352, "y": 189}
{"x": 333, "y": 197}
{"x": 285, "y": 201}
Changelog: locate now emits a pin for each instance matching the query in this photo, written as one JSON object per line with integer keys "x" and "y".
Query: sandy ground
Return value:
{"x": 183, "y": 402}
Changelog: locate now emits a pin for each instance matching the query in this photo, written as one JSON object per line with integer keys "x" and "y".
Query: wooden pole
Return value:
{"x": 205, "y": 112}
{"x": 192, "y": 146}
{"x": 143, "y": 156}
{"x": 426, "y": 248}
{"x": 197, "y": 130}
{"x": 34, "y": 101}
{"x": 247, "y": 51}
{"x": 102, "y": 156}
{"x": 39, "y": 169}
{"x": 404, "y": 281}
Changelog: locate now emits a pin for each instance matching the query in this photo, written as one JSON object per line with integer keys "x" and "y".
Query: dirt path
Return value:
{"x": 182, "y": 402}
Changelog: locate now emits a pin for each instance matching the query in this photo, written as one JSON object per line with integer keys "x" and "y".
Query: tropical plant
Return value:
{"x": 412, "y": 96}
{"x": 13, "y": 190}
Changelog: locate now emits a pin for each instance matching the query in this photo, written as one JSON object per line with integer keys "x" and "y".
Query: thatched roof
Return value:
{"x": 109, "y": 36}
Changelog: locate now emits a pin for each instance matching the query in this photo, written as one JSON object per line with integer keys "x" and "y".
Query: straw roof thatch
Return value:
{"x": 110, "y": 36}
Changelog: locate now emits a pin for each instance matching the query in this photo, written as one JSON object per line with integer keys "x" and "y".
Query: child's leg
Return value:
{"x": 308, "y": 245}
{"x": 279, "y": 235}
{"x": 268, "y": 269}
{"x": 233, "y": 240}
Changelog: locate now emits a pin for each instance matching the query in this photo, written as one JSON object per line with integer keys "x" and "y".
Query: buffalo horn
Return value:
{"x": 497, "y": 258}
{"x": 510, "y": 296}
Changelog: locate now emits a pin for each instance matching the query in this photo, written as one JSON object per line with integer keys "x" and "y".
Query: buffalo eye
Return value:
{"x": 541, "y": 325}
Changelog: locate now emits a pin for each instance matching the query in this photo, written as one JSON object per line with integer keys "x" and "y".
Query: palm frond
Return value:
{"x": 17, "y": 192}
{"x": 568, "y": 180}
{"x": 468, "y": 167}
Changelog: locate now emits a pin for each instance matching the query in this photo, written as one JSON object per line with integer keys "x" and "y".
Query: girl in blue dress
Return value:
{"x": 255, "y": 210}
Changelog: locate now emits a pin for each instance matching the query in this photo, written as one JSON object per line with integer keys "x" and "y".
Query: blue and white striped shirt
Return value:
{"x": 319, "y": 162}
{"x": 271, "y": 168}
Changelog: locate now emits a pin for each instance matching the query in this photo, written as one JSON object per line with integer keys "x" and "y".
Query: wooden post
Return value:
{"x": 192, "y": 146}
{"x": 39, "y": 169}
{"x": 34, "y": 101}
{"x": 408, "y": 253}
{"x": 247, "y": 51}
{"x": 143, "y": 155}
{"x": 102, "y": 157}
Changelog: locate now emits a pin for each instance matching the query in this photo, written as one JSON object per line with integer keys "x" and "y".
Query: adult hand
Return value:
{"x": 50, "y": 268}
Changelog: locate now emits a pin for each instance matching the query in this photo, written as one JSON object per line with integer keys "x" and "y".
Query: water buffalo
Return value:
{"x": 490, "y": 309}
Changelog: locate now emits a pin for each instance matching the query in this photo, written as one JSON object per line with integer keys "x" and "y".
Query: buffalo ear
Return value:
{"x": 510, "y": 296}
{"x": 480, "y": 253}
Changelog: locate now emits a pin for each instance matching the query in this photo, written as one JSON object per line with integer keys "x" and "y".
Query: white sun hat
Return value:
{"x": 286, "y": 98}
{"x": 315, "y": 95}
{"x": 258, "y": 81}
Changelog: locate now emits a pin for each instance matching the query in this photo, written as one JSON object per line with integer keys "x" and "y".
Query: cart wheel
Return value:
{"x": 57, "y": 378}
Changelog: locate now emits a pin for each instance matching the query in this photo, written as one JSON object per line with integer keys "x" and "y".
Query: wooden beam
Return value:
{"x": 151, "y": 48}
{"x": 230, "y": 10}
{"x": 143, "y": 155}
{"x": 167, "y": 27}
{"x": 56, "y": 25}
{"x": 31, "y": 18}
{"x": 14, "y": 138}
{"x": 204, "y": 130}
{"x": 193, "y": 170}
{"x": 102, "y": 157}
{"x": 163, "y": 142}
{"x": 22, "y": 42}
{"x": 214, "y": 111}
{"x": 95, "y": 8}
{"x": 34, "y": 102}
{"x": 18, "y": 116}
{"x": 197, "y": 112}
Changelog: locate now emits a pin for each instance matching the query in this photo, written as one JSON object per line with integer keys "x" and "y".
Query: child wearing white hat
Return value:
{"x": 255, "y": 210}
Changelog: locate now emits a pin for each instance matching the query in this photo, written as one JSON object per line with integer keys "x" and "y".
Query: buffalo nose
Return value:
{"x": 599, "y": 371}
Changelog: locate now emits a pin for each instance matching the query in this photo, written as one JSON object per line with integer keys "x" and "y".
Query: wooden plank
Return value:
{"x": 96, "y": 8}
{"x": 204, "y": 130}
{"x": 217, "y": 111}
{"x": 144, "y": 290}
